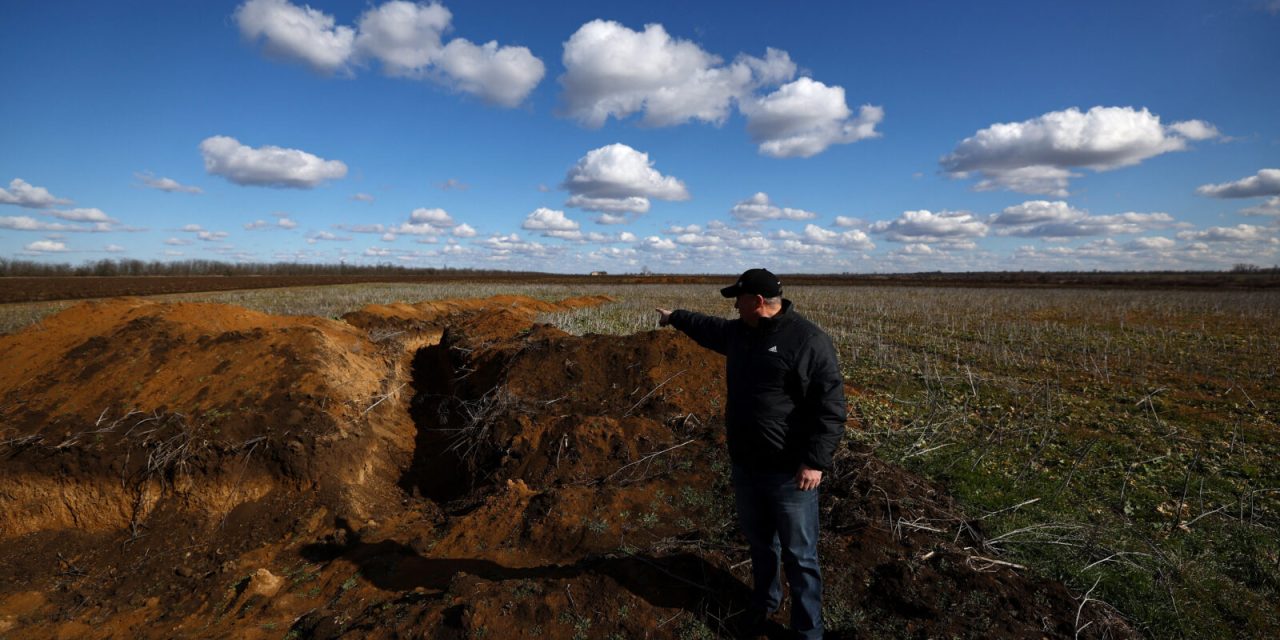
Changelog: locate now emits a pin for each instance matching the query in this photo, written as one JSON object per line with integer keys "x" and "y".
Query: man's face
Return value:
{"x": 749, "y": 307}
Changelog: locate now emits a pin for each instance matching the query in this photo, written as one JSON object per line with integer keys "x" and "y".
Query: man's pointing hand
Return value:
{"x": 664, "y": 317}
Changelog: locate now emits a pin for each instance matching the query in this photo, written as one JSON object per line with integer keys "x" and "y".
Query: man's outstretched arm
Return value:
{"x": 707, "y": 331}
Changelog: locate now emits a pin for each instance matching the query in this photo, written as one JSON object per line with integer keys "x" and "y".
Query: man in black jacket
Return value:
{"x": 785, "y": 415}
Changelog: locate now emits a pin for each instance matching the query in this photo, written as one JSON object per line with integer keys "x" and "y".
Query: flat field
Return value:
{"x": 1122, "y": 441}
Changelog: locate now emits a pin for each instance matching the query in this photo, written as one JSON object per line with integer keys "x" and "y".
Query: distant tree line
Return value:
{"x": 129, "y": 267}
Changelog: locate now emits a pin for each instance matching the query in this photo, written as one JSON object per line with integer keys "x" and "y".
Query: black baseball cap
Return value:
{"x": 758, "y": 282}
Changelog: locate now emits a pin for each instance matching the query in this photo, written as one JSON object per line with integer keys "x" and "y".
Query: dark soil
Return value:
{"x": 205, "y": 471}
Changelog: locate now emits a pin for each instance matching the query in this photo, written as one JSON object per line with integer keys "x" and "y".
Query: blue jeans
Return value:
{"x": 780, "y": 520}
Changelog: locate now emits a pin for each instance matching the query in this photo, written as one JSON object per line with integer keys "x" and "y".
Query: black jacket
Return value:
{"x": 785, "y": 392}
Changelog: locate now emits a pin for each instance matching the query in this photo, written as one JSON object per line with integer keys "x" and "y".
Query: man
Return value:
{"x": 785, "y": 415}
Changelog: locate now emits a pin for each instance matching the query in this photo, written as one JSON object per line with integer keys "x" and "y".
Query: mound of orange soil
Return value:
{"x": 440, "y": 469}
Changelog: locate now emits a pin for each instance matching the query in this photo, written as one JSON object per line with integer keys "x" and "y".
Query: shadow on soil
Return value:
{"x": 678, "y": 581}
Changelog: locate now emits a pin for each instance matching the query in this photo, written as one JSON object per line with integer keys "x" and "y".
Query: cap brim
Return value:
{"x": 731, "y": 291}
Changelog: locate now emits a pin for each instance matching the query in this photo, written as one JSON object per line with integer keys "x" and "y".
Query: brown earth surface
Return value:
{"x": 441, "y": 469}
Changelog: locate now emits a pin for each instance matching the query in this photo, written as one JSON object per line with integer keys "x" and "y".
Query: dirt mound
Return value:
{"x": 445, "y": 469}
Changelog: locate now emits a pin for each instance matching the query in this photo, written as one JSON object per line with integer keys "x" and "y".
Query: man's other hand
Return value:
{"x": 807, "y": 478}
{"x": 664, "y": 317}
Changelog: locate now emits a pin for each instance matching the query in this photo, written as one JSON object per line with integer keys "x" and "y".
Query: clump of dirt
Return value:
{"x": 447, "y": 469}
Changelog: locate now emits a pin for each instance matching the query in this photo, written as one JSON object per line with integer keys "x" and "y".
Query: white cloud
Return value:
{"x": 659, "y": 244}
{"x": 464, "y": 231}
{"x": 362, "y": 197}
{"x": 1150, "y": 244}
{"x": 170, "y": 185}
{"x": 416, "y": 229}
{"x": 847, "y": 222}
{"x": 114, "y": 248}
{"x": 435, "y": 217}
{"x": 510, "y": 245}
{"x": 405, "y": 37}
{"x": 377, "y": 252}
{"x": 27, "y": 223}
{"x": 1238, "y": 233}
{"x": 500, "y": 75}
{"x": 1269, "y": 208}
{"x": 616, "y": 178}
{"x": 1057, "y": 219}
{"x": 453, "y": 184}
{"x": 634, "y": 204}
{"x": 281, "y": 222}
{"x": 853, "y": 239}
{"x": 325, "y": 235}
{"x": 81, "y": 215}
{"x": 804, "y": 117}
{"x": 296, "y": 33}
{"x": 1264, "y": 183}
{"x": 611, "y": 70}
{"x": 268, "y": 166}
{"x": 211, "y": 236}
{"x": 1196, "y": 130}
{"x": 543, "y": 219}
{"x": 177, "y": 242}
{"x": 758, "y": 207}
{"x": 610, "y": 218}
{"x": 192, "y": 228}
{"x": 46, "y": 246}
{"x": 952, "y": 227}
{"x": 23, "y": 194}
{"x": 1035, "y": 156}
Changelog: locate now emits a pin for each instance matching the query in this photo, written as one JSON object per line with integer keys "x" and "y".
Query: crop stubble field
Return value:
{"x": 1121, "y": 441}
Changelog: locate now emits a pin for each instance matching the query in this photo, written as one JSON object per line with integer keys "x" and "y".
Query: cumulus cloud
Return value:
{"x": 804, "y": 117}
{"x": 24, "y": 194}
{"x": 847, "y": 222}
{"x": 1269, "y": 208}
{"x": 170, "y": 185}
{"x": 1150, "y": 244}
{"x": 543, "y": 219}
{"x": 500, "y": 75}
{"x": 1057, "y": 219}
{"x": 1264, "y": 183}
{"x": 1238, "y": 233}
{"x": 616, "y": 178}
{"x": 46, "y": 246}
{"x": 81, "y": 215}
{"x": 611, "y": 70}
{"x": 404, "y": 37}
{"x": 268, "y": 166}
{"x": 211, "y": 236}
{"x": 464, "y": 230}
{"x": 952, "y": 227}
{"x": 852, "y": 239}
{"x": 502, "y": 246}
{"x": 281, "y": 222}
{"x": 299, "y": 34}
{"x": 611, "y": 218}
{"x": 1037, "y": 155}
{"x": 435, "y": 217}
{"x": 758, "y": 207}
{"x": 327, "y": 236}
{"x": 27, "y": 223}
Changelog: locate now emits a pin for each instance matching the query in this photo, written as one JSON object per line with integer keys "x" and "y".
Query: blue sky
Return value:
{"x": 681, "y": 137}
